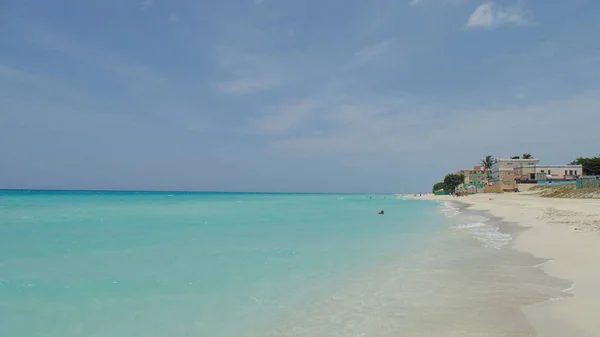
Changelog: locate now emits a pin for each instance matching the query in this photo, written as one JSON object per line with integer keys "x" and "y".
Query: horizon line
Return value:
{"x": 174, "y": 191}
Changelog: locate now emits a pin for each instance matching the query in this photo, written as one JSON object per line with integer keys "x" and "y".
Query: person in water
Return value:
{"x": 380, "y": 212}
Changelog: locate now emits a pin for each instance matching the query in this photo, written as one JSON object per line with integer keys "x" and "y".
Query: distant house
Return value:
{"x": 534, "y": 173}
{"x": 476, "y": 176}
{"x": 503, "y": 171}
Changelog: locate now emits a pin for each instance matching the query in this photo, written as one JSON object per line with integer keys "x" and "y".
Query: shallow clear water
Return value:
{"x": 208, "y": 264}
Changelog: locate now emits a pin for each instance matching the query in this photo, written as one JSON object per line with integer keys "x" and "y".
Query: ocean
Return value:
{"x": 154, "y": 264}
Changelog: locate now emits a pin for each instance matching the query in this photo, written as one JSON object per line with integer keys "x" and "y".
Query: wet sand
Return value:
{"x": 567, "y": 233}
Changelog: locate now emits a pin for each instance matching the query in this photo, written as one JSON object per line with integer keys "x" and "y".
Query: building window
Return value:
{"x": 542, "y": 171}
{"x": 570, "y": 172}
{"x": 549, "y": 171}
{"x": 565, "y": 172}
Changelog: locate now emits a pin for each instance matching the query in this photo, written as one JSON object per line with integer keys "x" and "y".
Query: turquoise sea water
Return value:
{"x": 120, "y": 264}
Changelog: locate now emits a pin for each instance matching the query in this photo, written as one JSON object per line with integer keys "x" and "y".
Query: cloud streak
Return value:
{"x": 247, "y": 85}
{"x": 436, "y": 2}
{"x": 372, "y": 52}
{"x": 174, "y": 18}
{"x": 130, "y": 74}
{"x": 358, "y": 97}
{"x": 285, "y": 118}
{"x": 247, "y": 73}
{"x": 388, "y": 128}
{"x": 14, "y": 75}
{"x": 146, "y": 3}
{"x": 490, "y": 15}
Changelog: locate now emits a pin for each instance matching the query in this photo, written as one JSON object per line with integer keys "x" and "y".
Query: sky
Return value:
{"x": 382, "y": 96}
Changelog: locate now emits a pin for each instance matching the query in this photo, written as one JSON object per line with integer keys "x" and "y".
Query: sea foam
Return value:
{"x": 479, "y": 227}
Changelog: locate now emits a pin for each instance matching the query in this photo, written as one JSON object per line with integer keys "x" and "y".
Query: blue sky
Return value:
{"x": 281, "y": 95}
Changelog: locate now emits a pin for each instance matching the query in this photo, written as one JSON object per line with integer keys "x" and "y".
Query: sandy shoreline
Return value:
{"x": 566, "y": 231}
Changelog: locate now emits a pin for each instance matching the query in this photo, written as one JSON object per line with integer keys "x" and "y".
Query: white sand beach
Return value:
{"x": 566, "y": 231}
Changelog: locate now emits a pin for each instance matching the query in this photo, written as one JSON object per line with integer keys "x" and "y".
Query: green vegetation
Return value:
{"x": 567, "y": 191}
{"x": 438, "y": 186}
{"x": 591, "y": 166}
{"x": 487, "y": 163}
{"x": 524, "y": 156}
{"x": 451, "y": 181}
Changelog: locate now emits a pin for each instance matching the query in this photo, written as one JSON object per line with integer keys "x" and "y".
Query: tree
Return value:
{"x": 527, "y": 156}
{"x": 451, "y": 181}
{"x": 439, "y": 186}
{"x": 591, "y": 166}
{"x": 487, "y": 164}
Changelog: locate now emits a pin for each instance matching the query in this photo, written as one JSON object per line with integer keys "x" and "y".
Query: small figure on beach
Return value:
{"x": 380, "y": 212}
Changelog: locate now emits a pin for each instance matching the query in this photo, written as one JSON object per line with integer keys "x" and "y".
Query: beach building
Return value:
{"x": 503, "y": 171}
{"x": 477, "y": 175}
{"x": 534, "y": 173}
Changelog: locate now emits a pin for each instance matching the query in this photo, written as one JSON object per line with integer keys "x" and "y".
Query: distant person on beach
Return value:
{"x": 380, "y": 212}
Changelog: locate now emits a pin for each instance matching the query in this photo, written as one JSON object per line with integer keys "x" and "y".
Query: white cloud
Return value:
{"x": 483, "y": 16}
{"x": 285, "y": 118}
{"x": 437, "y": 2}
{"x": 247, "y": 85}
{"x": 490, "y": 15}
{"x": 248, "y": 72}
{"x": 131, "y": 79}
{"x": 130, "y": 74}
{"x": 389, "y": 126}
{"x": 18, "y": 76}
{"x": 174, "y": 18}
{"x": 371, "y": 52}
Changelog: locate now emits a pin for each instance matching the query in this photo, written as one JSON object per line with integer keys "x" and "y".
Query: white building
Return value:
{"x": 548, "y": 172}
{"x": 503, "y": 171}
